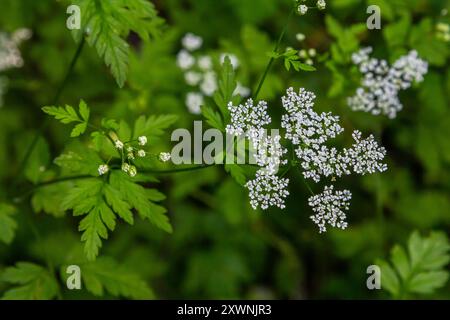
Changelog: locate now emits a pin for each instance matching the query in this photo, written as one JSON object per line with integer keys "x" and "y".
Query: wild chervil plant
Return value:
{"x": 109, "y": 173}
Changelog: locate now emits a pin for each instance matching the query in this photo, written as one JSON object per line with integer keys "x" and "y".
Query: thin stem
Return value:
{"x": 272, "y": 59}
{"x": 46, "y": 121}
{"x": 178, "y": 170}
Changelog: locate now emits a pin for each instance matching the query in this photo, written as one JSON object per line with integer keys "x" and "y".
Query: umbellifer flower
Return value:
{"x": 102, "y": 169}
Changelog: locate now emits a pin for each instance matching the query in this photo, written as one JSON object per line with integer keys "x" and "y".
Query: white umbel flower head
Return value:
{"x": 194, "y": 101}
{"x": 142, "y": 140}
{"x": 247, "y": 117}
{"x": 192, "y": 42}
{"x": 329, "y": 208}
{"x": 302, "y": 9}
{"x": 381, "y": 83}
{"x": 267, "y": 190}
{"x": 268, "y": 151}
{"x": 102, "y": 169}
{"x": 164, "y": 156}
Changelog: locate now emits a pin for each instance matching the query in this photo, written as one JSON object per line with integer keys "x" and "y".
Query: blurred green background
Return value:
{"x": 220, "y": 247}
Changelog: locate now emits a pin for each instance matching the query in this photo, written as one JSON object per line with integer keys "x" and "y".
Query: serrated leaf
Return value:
{"x": 153, "y": 126}
{"x": 237, "y": 172}
{"x": 213, "y": 118}
{"x": 227, "y": 86}
{"x": 106, "y": 276}
{"x": 68, "y": 114}
{"x": 33, "y": 282}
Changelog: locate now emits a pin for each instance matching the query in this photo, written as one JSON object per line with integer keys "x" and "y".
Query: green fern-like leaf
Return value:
{"x": 32, "y": 282}
{"x": 107, "y": 24}
{"x": 420, "y": 269}
{"x": 7, "y": 223}
{"x": 68, "y": 114}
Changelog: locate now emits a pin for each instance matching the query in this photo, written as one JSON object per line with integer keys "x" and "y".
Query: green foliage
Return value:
{"x": 291, "y": 59}
{"x": 108, "y": 23}
{"x": 106, "y": 276}
{"x": 103, "y": 201}
{"x": 31, "y": 282}
{"x": 8, "y": 225}
{"x": 420, "y": 269}
{"x": 68, "y": 115}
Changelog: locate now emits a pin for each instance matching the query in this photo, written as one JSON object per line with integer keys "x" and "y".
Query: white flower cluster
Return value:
{"x": 199, "y": 72}
{"x": 328, "y": 208}
{"x": 267, "y": 190}
{"x": 164, "y": 156}
{"x": 129, "y": 152}
{"x": 10, "y": 56}
{"x": 308, "y": 131}
{"x": 248, "y": 120}
{"x": 381, "y": 83}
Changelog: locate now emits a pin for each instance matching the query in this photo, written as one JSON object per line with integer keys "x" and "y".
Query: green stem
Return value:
{"x": 272, "y": 59}
{"x": 46, "y": 121}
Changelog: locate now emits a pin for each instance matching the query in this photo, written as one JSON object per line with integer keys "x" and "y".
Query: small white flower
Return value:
{"x": 125, "y": 167}
{"x": 185, "y": 60}
{"x": 132, "y": 171}
{"x": 164, "y": 156}
{"x": 191, "y": 42}
{"x": 205, "y": 63}
{"x": 209, "y": 83}
{"x": 302, "y": 9}
{"x": 194, "y": 101}
{"x": 267, "y": 190}
{"x": 142, "y": 140}
{"x": 130, "y": 149}
{"x": 192, "y": 78}
{"x": 300, "y": 37}
{"x": 141, "y": 153}
{"x": 102, "y": 169}
{"x": 303, "y": 54}
{"x": 130, "y": 156}
{"x": 321, "y": 4}
{"x": 312, "y": 52}
{"x": 309, "y": 62}
{"x": 119, "y": 144}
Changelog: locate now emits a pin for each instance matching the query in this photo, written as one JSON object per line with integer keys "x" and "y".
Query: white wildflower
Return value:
{"x": 185, "y": 60}
{"x": 102, "y": 169}
{"x": 309, "y": 62}
{"x": 205, "y": 63}
{"x": 141, "y": 153}
{"x": 118, "y": 144}
{"x": 247, "y": 117}
{"x": 302, "y": 9}
{"x": 164, "y": 156}
{"x": 268, "y": 152}
{"x": 209, "y": 83}
{"x": 130, "y": 156}
{"x": 381, "y": 83}
{"x": 194, "y": 101}
{"x": 191, "y": 42}
{"x": 312, "y": 52}
{"x": 125, "y": 167}
{"x": 142, "y": 140}
{"x": 321, "y": 4}
{"x": 267, "y": 190}
{"x": 303, "y": 54}
{"x": 329, "y": 208}
{"x": 132, "y": 171}
{"x": 192, "y": 78}
{"x": 300, "y": 37}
